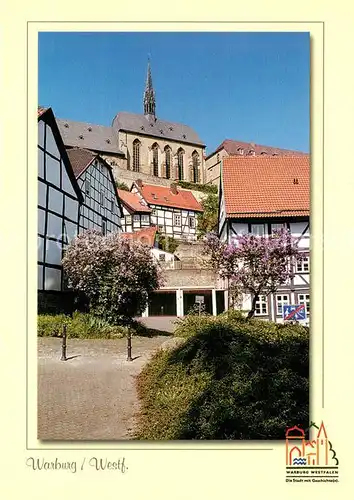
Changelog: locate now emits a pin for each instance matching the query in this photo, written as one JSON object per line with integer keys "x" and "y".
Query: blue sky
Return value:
{"x": 254, "y": 87}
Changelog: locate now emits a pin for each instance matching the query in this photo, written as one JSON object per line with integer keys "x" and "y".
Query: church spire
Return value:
{"x": 149, "y": 95}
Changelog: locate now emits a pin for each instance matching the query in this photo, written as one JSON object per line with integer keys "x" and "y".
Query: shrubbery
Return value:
{"x": 232, "y": 378}
{"x": 86, "y": 326}
{"x": 204, "y": 188}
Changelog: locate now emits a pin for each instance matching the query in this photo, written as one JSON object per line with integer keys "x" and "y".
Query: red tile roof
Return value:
{"x": 132, "y": 201}
{"x": 273, "y": 186}
{"x": 159, "y": 195}
{"x": 80, "y": 159}
{"x": 232, "y": 147}
{"x": 146, "y": 236}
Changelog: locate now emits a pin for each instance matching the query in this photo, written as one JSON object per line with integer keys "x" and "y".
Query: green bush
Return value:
{"x": 231, "y": 379}
{"x": 87, "y": 326}
{"x": 204, "y": 188}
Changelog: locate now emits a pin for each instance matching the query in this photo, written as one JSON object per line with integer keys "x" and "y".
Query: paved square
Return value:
{"x": 92, "y": 395}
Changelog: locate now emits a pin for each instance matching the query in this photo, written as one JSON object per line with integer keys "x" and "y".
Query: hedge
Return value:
{"x": 231, "y": 378}
{"x": 204, "y": 188}
{"x": 86, "y": 326}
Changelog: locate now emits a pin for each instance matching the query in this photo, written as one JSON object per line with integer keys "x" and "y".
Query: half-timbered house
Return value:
{"x": 136, "y": 212}
{"x": 59, "y": 199}
{"x": 173, "y": 210}
{"x": 259, "y": 195}
{"x": 101, "y": 209}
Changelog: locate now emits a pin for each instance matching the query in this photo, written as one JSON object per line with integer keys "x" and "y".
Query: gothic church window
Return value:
{"x": 155, "y": 159}
{"x": 180, "y": 163}
{"x": 136, "y": 155}
{"x": 168, "y": 161}
{"x": 195, "y": 163}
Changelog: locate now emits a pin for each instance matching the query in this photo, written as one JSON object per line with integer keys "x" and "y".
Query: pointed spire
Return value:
{"x": 149, "y": 94}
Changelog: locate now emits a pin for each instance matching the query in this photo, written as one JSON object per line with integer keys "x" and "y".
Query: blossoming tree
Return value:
{"x": 254, "y": 265}
{"x": 116, "y": 275}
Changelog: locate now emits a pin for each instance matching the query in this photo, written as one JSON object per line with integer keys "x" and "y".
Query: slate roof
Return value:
{"x": 86, "y": 135}
{"x": 147, "y": 125}
{"x": 80, "y": 159}
{"x": 264, "y": 186}
{"x": 232, "y": 147}
{"x": 132, "y": 202}
{"x": 146, "y": 235}
{"x": 41, "y": 110}
{"x": 163, "y": 196}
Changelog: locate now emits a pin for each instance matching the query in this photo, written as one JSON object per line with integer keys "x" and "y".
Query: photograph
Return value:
{"x": 173, "y": 256}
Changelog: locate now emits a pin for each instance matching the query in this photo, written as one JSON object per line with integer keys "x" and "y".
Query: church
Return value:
{"x": 142, "y": 145}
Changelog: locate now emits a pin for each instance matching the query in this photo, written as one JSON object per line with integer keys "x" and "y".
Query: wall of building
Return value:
{"x": 58, "y": 211}
{"x": 100, "y": 210}
{"x": 126, "y": 140}
{"x": 212, "y": 167}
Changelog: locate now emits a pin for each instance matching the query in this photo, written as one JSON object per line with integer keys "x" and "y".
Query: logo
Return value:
{"x": 312, "y": 460}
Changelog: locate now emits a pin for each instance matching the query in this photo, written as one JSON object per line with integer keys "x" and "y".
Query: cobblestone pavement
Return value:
{"x": 92, "y": 395}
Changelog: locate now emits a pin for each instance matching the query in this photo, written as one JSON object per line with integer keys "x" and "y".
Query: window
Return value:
{"x": 160, "y": 229}
{"x": 153, "y": 211}
{"x": 177, "y": 220}
{"x": 192, "y": 222}
{"x": 136, "y": 155}
{"x": 102, "y": 198}
{"x": 145, "y": 218}
{"x": 303, "y": 266}
{"x": 155, "y": 159}
{"x": 252, "y": 152}
{"x": 281, "y": 300}
{"x": 277, "y": 227}
{"x": 112, "y": 206}
{"x": 195, "y": 167}
{"x": 180, "y": 163}
{"x": 304, "y": 298}
{"x": 168, "y": 161}
{"x": 136, "y": 218}
{"x": 162, "y": 257}
{"x": 104, "y": 227}
{"x": 128, "y": 219}
{"x": 218, "y": 158}
{"x": 258, "y": 229}
{"x": 240, "y": 151}
{"x": 87, "y": 187}
{"x": 261, "y": 305}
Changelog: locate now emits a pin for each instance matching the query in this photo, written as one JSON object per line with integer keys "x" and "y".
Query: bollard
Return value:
{"x": 129, "y": 346}
{"x": 63, "y": 345}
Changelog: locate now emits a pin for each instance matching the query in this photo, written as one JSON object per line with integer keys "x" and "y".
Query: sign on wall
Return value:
{"x": 295, "y": 312}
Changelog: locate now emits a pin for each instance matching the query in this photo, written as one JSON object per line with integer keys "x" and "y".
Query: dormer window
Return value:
{"x": 81, "y": 136}
{"x": 108, "y": 141}
{"x": 240, "y": 151}
{"x": 252, "y": 152}
{"x": 66, "y": 125}
{"x": 263, "y": 153}
{"x": 89, "y": 129}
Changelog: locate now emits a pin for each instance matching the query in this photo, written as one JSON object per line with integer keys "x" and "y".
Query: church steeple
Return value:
{"x": 149, "y": 95}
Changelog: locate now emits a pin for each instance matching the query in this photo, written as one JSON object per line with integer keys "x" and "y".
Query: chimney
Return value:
{"x": 173, "y": 188}
{"x": 139, "y": 183}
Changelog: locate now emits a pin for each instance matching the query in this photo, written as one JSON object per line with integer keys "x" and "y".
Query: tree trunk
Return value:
{"x": 253, "y": 308}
